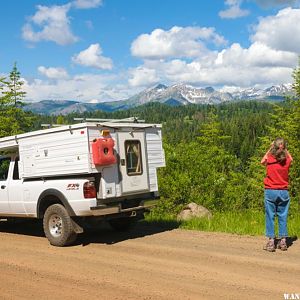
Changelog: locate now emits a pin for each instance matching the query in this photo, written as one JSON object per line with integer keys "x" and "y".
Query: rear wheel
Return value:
{"x": 58, "y": 226}
{"x": 123, "y": 224}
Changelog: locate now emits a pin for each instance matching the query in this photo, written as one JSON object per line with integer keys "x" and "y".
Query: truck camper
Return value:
{"x": 71, "y": 174}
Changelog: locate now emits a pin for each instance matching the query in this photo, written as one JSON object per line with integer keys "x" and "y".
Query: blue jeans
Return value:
{"x": 277, "y": 202}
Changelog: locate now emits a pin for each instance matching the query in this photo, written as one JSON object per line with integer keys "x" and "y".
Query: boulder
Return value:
{"x": 193, "y": 210}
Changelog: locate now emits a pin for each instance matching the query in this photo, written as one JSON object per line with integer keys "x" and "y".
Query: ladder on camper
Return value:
{"x": 92, "y": 120}
{"x": 124, "y": 120}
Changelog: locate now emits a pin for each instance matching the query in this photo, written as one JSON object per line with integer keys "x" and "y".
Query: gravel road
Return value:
{"x": 150, "y": 262}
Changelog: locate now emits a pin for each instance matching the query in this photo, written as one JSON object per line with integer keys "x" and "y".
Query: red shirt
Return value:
{"x": 277, "y": 173}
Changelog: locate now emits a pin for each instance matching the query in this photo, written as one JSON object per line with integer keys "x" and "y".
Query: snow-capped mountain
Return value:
{"x": 178, "y": 94}
{"x": 186, "y": 94}
{"x": 273, "y": 92}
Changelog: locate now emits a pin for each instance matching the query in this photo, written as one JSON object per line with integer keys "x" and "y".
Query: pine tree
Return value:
{"x": 296, "y": 84}
{"x": 13, "y": 119}
{"x": 14, "y": 85}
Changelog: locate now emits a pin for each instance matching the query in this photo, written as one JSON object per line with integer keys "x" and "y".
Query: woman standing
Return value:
{"x": 277, "y": 201}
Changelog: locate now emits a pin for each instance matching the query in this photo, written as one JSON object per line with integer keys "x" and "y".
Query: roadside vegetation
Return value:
{"x": 212, "y": 154}
{"x": 247, "y": 222}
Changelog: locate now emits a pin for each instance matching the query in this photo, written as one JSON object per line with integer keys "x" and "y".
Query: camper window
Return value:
{"x": 4, "y": 167}
{"x": 133, "y": 157}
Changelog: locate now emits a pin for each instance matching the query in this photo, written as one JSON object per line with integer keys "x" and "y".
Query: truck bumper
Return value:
{"x": 116, "y": 211}
{"x": 121, "y": 209}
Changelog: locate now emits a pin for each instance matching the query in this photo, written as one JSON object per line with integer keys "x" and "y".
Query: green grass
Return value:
{"x": 242, "y": 223}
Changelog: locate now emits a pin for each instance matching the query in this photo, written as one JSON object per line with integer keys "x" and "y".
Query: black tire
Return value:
{"x": 58, "y": 226}
{"x": 122, "y": 224}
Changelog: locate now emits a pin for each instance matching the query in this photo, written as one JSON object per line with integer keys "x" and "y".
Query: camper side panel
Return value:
{"x": 155, "y": 155}
{"x": 56, "y": 153}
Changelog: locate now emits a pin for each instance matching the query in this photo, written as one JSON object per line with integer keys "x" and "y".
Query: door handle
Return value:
{"x": 3, "y": 187}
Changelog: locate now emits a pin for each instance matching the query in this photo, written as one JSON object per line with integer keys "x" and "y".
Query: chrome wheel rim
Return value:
{"x": 55, "y": 225}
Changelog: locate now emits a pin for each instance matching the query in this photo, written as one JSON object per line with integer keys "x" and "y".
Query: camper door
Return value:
{"x": 133, "y": 164}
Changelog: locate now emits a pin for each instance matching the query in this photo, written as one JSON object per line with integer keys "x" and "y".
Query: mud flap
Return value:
{"x": 76, "y": 227}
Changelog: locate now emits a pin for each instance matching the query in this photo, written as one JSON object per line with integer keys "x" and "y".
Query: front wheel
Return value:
{"x": 58, "y": 226}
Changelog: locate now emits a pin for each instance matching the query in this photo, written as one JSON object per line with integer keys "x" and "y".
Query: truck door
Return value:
{"x": 4, "y": 169}
{"x": 15, "y": 193}
{"x": 133, "y": 164}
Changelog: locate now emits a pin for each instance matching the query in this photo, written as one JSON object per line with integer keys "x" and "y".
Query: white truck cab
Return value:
{"x": 69, "y": 174}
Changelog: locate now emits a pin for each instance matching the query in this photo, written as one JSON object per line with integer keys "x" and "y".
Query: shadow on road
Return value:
{"x": 102, "y": 234}
{"x": 23, "y": 226}
{"x": 290, "y": 241}
{"x": 105, "y": 235}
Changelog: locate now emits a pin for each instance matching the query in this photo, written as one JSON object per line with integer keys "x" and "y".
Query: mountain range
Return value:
{"x": 175, "y": 95}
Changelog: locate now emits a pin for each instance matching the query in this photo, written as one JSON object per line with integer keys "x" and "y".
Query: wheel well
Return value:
{"x": 45, "y": 203}
{"x": 52, "y": 196}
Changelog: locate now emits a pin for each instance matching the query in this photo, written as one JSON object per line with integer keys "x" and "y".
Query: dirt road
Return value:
{"x": 148, "y": 263}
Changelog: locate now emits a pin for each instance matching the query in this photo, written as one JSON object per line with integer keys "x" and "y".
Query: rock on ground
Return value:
{"x": 193, "y": 210}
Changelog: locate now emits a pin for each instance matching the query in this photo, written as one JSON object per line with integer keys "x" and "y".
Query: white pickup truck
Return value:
{"x": 71, "y": 174}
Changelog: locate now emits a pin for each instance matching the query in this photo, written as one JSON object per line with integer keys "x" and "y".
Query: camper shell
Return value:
{"x": 94, "y": 168}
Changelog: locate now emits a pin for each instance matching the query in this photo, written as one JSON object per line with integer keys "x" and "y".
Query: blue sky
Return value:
{"x": 98, "y": 50}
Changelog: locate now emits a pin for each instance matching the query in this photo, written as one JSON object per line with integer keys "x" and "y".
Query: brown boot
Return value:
{"x": 270, "y": 246}
{"x": 282, "y": 244}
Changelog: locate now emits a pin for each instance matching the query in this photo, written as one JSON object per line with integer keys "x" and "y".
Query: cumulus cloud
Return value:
{"x": 142, "y": 76}
{"x": 49, "y": 24}
{"x": 234, "y": 10}
{"x": 257, "y": 64}
{"x": 85, "y": 4}
{"x": 257, "y": 55}
{"x": 272, "y": 3}
{"x": 176, "y": 42}
{"x": 82, "y": 87}
{"x": 53, "y": 73}
{"x": 280, "y": 32}
{"x": 92, "y": 57}
{"x": 187, "y": 55}
{"x": 269, "y": 59}
{"x": 223, "y": 74}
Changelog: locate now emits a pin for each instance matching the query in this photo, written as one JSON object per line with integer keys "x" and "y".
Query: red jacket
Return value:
{"x": 277, "y": 173}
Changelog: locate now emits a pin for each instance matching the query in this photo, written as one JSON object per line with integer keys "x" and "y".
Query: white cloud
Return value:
{"x": 142, "y": 77}
{"x": 52, "y": 25}
{"x": 233, "y": 11}
{"x": 281, "y": 32}
{"x": 83, "y": 87}
{"x": 84, "y": 4}
{"x": 91, "y": 57}
{"x": 53, "y": 73}
{"x": 272, "y": 3}
{"x": 257, "y": 55}
{"x": 176, "y": 42}
{"x": 219, "y": 75}
{"x": 186, "y": 55}
{"x": 270, "y": 58}
{"x": 234, "y": 66}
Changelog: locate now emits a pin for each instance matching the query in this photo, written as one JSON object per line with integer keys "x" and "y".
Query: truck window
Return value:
{"x": 4, "y": 167}
{"x": 133, "y": 157}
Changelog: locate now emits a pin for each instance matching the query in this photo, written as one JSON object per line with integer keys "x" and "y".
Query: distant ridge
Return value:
{"x": 175, "y": 95}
